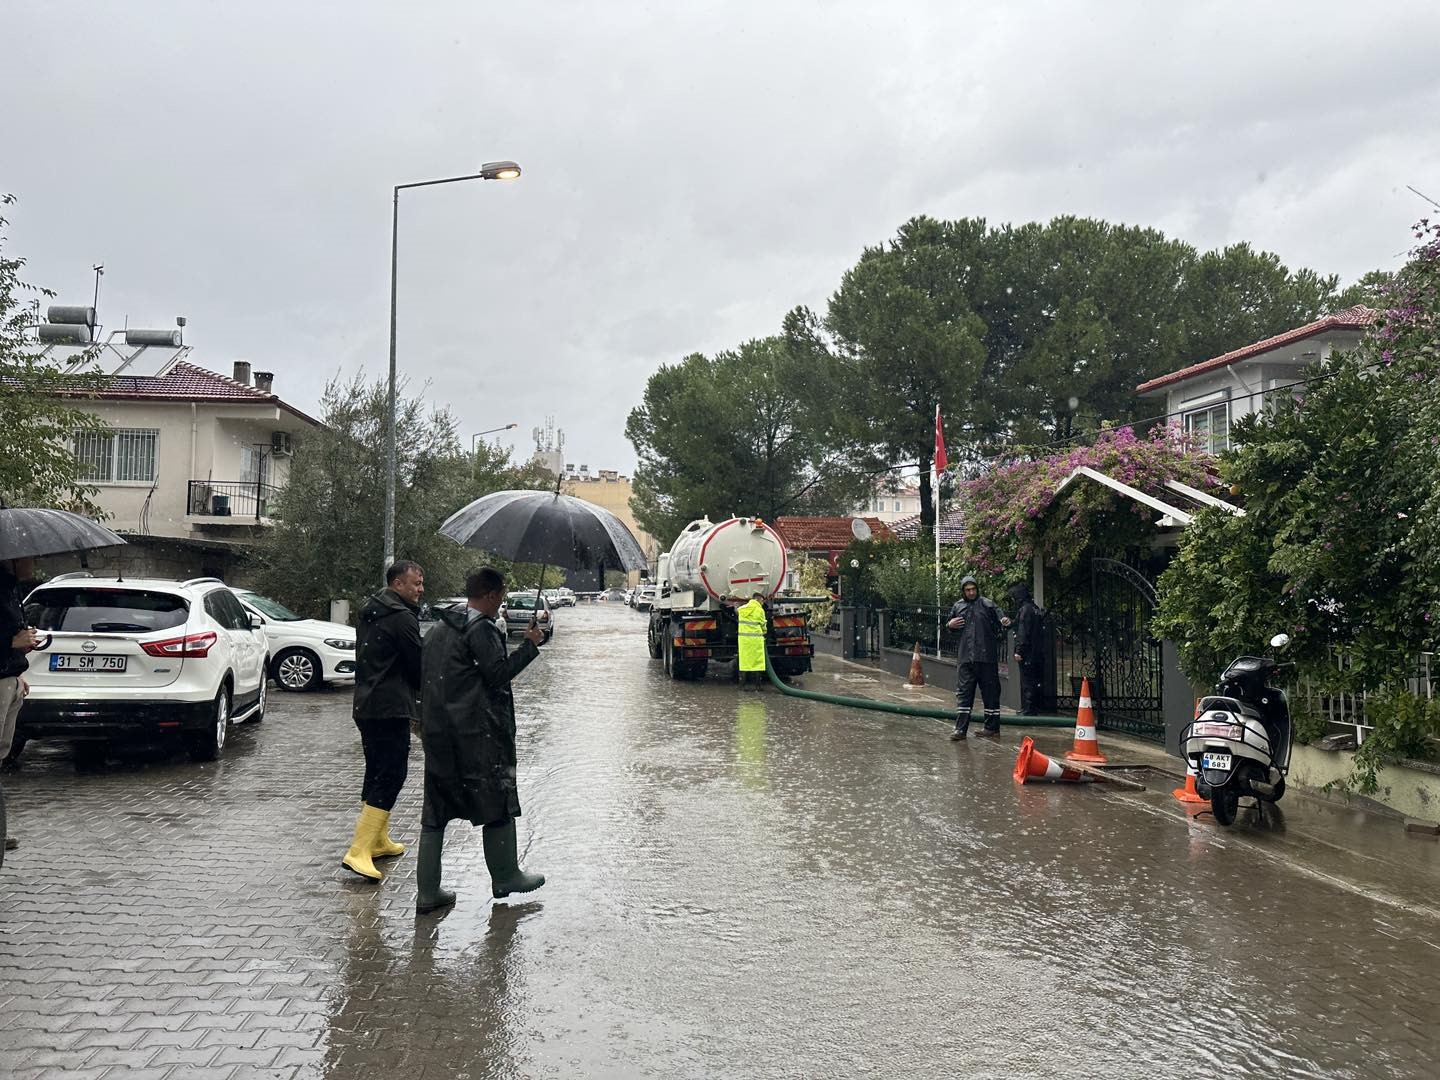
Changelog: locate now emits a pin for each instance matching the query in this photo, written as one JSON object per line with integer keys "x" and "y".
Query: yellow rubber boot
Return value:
{"x": 358, "y": 858}
{"x": 383, "y": 847}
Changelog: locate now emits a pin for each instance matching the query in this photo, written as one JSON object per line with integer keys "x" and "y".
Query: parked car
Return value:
{"x": 614, "y": 596}
{"x": 428, "y": 616}
{"x": 645, "y": 598}
{"x": 141, "y": 658}
{"x": 520, "y": 607}
{"x": 567, "y": 597}
{"x": 304, "y": 653}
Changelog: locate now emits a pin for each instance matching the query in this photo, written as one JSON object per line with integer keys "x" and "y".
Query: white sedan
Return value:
{"x": 304, "y": 653}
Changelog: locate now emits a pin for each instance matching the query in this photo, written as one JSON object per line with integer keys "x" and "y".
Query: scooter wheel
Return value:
{"x": 1224, "y": 801}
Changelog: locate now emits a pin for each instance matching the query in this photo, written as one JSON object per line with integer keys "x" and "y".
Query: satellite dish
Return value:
{"x": 860, "y": 530}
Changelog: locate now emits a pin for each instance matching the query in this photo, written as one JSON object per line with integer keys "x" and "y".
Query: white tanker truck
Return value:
{"x": 698, "y": 583}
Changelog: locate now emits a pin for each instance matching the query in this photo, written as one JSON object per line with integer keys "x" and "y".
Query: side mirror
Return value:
{"x": 1279, "y": 641}
{"x": 256, "y": 622}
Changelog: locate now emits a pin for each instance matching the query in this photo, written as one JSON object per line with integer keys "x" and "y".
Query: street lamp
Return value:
{"x": 474, "y": 439}
{"x": 491, "y": 170}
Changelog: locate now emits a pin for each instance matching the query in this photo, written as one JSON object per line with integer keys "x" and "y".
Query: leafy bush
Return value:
{"x": 1405, "y": 725}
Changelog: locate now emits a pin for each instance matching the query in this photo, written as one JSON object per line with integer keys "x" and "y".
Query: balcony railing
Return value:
{"x": 242, "y": 501}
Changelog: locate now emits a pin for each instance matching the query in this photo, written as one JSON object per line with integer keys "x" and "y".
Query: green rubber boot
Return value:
{"x": 506, "y": 877}
{"x": 427, "y": 873}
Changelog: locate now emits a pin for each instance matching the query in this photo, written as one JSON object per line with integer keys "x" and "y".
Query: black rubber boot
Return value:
{"x": 962, "y": 727}
{"x": 427, "y": 873}
{"x": 501, "y": 857}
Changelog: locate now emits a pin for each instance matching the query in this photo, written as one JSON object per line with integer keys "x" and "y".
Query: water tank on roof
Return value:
{"x": 64, "y": 334}
{"x": 168, "y": 338}
{"x": 71, "y": 314}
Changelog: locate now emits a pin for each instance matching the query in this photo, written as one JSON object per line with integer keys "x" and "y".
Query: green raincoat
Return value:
{"x": 752, "y": 636}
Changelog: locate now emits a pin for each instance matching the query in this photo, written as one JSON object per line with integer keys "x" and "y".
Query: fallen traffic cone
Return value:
{"x": 917, "y": 670}
{"x": 1188, "y": 794}
{"x": 1086, "y": 747}
{"x": 1033, "y": 765}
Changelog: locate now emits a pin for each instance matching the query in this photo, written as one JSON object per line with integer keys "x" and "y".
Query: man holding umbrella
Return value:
{"x": 16, "y": 639}
{"x": 468, "y": 728}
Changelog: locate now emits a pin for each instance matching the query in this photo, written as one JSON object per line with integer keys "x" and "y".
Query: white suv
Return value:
{"x": 138, "y": 659}
{"x": 303, "y": 652}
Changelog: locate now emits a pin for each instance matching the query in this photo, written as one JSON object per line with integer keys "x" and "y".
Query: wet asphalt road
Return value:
{"x": 740, "y": 885}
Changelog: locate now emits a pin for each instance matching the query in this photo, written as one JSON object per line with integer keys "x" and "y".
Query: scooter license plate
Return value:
{"x": 1215, "y": 761}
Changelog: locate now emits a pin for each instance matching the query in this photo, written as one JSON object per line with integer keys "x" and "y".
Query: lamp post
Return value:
{"x": 474, "y": 442}
{"x": 492, "y": 170}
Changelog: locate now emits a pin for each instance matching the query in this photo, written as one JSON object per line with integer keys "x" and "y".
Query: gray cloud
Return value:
{"x": 692, "y": 170}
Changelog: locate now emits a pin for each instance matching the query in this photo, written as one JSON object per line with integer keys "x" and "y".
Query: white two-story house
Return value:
{"x": 192, "y": 461}
{"x": 1212, "y": 395}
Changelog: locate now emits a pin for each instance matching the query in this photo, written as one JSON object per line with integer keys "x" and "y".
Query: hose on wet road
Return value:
{"x": 898, "y": 709}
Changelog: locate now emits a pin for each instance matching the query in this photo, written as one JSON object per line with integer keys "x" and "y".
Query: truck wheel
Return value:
{"x": 667, "y": 650}
{"x": 654, "y": 640}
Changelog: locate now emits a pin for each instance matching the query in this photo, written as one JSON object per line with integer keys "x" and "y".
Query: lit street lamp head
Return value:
{"x": 499, "y": 170}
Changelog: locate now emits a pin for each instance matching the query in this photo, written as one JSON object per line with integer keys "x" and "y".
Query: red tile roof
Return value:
{"x": 1354, "y": 318}
{"x": 825, "y": 533}
{"x": 952, "y": 527}
{"x": 186, "y": 382}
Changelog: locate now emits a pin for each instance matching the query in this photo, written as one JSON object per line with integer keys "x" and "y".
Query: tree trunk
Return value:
{"x": 927, "y": 504}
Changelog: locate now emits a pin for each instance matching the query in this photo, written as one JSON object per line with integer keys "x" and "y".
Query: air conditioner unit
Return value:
{"x": 280, "y": 444}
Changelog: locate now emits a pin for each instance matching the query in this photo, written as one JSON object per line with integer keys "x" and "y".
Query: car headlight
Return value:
{"x": 340, "y": 643}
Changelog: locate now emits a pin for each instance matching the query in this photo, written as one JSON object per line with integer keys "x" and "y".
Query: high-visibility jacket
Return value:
{"x": 752, "y": 636}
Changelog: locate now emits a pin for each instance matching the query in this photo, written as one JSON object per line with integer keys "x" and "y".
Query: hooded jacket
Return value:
{"x": 387, "y": 659}
{"x": 1029, "y": 626}
{"x": 468, "y": 720}
{"x": 12, "y": 621}
{"x": 979, "y": 638}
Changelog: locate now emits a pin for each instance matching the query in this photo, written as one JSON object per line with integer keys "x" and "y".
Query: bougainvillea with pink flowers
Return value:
{"x": 1014, "y": 510}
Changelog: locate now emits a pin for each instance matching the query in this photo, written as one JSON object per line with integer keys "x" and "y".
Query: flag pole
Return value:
{"x": 938, "y": 461}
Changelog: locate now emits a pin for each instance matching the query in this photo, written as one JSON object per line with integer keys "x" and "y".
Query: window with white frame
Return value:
{"x": 1210, "y": 427}
{"x": 121, "y": 456}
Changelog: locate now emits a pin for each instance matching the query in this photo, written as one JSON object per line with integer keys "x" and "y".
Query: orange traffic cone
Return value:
{"x": 917, "y": 670}
{"x": 1033, "y": 765}
{"x": 1086, "y": 748}
{"x": 1188, "y": 794}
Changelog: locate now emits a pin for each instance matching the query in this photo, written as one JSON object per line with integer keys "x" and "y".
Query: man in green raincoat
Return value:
{"x": 751, "y": 635}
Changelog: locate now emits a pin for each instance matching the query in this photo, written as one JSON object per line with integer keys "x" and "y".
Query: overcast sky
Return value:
{"x": 692, "y": 169}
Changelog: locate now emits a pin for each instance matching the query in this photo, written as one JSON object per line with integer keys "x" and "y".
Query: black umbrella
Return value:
{"x": 545, "y": 527}
{"x": 28, "y": 532}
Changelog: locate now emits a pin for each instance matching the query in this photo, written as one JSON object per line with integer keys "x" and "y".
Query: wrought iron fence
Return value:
{"x": 232, "y": 499}
{"x": 906, "y": 626}
{"x": 1344, "y": 710}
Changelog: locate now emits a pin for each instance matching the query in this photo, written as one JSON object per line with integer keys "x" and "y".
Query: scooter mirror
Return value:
{"x": 1279, "y": 641}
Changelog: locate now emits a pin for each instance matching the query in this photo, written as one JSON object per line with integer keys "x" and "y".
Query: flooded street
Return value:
{"x": 739, "y": 885}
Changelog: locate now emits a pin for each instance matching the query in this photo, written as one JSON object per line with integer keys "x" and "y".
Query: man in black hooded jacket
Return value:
{"x": 468, "y": 726}
{"x": 1029, "y": 648}
{"x": 387, "y": 689}
{"x": 980, "y": 624}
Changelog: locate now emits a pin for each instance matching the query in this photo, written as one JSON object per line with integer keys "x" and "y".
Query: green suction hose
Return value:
{"x": 947, "y": 715}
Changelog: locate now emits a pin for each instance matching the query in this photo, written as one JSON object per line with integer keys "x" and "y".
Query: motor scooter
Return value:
{"x": 1239, "y": 742}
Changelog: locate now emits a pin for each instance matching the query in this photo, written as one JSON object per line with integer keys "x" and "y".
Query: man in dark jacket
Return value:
{"x": 387, "y": 687}
{"x": 1029, "y": 648}
{"x": 468, "y": 728}
{"x": 980, "y": 625}
{"x": 16, "y": 639}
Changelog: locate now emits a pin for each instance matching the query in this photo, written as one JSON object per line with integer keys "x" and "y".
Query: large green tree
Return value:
{"x": 1028, "y": 335}
{"x": 39, "y": 417}
{"x": 900, "y": 336}
{"x": 327, "y": 543}
{"x": 747, "y": 431}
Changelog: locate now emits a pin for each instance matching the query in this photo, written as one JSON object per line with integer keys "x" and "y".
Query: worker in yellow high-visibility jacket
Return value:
{"x": 751, "y": 631}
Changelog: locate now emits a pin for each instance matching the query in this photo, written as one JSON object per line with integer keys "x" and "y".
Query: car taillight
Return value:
{"x": 192, "y": 645}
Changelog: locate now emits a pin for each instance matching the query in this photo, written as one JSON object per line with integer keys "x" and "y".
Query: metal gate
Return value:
{"x": 1107, "y": 639}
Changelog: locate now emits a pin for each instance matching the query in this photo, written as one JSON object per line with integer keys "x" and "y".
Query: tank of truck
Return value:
{"x": 738, "y": 557}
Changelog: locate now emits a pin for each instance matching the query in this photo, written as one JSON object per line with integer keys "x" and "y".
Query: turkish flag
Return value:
{"x": 940, "y": 459}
